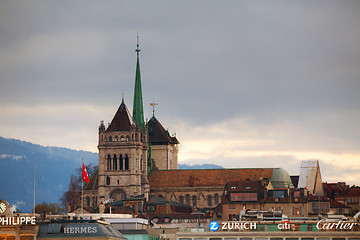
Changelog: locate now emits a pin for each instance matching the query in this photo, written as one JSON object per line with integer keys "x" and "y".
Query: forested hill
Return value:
{"x": 53, "y": 168}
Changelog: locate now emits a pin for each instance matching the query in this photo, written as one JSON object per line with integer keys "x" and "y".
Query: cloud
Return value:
{"x": 243, "y": 143}
{"x": 241, "y": 82}
{"x": 69, "y": 125}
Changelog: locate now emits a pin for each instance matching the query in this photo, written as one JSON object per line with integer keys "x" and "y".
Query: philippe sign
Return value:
{"x": 17, "y": 220}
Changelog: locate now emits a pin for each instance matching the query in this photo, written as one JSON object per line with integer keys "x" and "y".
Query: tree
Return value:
{"x": 72, "y": 196}
{"x": 49, "y": 208}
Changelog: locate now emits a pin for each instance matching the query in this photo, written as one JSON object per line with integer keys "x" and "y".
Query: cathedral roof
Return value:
{"x": 205, "y": 177}
{"x": 158, "y": 135}
{"x": 122, "y": 120}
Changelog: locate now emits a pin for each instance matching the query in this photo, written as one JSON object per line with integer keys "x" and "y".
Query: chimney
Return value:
{"x": 101, "y": 208}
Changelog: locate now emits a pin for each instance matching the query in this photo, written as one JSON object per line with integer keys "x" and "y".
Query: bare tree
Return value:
{"x": 72, "y": 196}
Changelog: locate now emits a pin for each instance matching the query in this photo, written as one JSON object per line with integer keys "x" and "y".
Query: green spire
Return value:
{"x": 149, "y": 161}
{"x": 138, "y": 112}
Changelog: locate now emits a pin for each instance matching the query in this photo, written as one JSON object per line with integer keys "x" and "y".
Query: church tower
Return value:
{"x": 123, "y": 147}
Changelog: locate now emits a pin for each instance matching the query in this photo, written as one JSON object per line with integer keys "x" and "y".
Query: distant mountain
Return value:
{"x": 53, "y": 168}
{"x": 199, "y": 166}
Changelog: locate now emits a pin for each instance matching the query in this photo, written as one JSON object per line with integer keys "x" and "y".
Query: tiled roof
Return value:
{"x": 244, "y": 186}
{"x": 157, "y": 133}
{"x": 336, "y": 204}
{"x": 122, "y": 120}
{"x": 205, "y": 177}
{"x": 352, "y": 192}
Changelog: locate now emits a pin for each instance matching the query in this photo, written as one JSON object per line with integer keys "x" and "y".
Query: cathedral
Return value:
{"x": 138, "y": 159}
{"x": 129, "y": 148}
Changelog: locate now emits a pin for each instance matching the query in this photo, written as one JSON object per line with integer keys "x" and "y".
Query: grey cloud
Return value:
{"x": 288, "y": 62}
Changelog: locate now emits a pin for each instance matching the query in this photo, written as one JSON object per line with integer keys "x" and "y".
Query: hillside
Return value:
{"x": 54, "y": 166}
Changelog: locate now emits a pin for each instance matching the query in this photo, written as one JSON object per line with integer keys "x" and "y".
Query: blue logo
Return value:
{"x": 214, "y": 226}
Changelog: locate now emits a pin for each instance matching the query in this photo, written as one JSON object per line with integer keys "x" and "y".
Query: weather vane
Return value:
{"x": 153, "y": 104}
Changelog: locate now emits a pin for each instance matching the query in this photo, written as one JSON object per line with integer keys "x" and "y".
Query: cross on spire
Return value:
{"x": 137, "y": 50}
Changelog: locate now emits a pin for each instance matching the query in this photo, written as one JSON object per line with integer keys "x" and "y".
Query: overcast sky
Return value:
{"x": 241, "y": 83}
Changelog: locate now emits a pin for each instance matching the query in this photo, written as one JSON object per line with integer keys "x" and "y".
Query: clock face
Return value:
{"x": 2, "y": 207}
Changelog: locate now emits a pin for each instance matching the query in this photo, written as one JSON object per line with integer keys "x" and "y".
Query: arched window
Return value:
{"x": 127, "y": 138}
{"x": 116, "y": 138}
{"x": 216, "y": 199}
{"x": 107, "y": 180}
{"x": 121, "y": 167}
{"x": 110, "y": 139}
{"x": 194, "y": 198}
{"x": 88, "y": 201}
{"x": 187, "y": 199}
{"x": 209, "y": 201}
{"x": 181, "y": 199}
{"x": 122, "y": 138}
{"x": 126, "y": 162}
{"x": 114, "y": 162}
{"x": 108, "y": 162}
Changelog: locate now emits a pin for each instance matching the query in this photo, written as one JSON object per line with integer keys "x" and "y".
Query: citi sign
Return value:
{"x": 285, "y": 225}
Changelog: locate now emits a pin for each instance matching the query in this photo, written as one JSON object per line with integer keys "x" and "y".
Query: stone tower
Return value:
{"x": 123, "y": 147}
{"x": 164, "y": 147}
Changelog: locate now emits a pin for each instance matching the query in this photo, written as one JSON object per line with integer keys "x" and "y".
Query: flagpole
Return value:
{"x": 82, "y": 189}
{"x": 34, "y": 193}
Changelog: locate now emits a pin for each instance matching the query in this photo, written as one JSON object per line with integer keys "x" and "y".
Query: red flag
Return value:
{"x": 85, "y": 175}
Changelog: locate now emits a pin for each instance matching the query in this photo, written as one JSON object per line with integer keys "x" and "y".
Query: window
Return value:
{"x": 122, "y": 138}
{"x": 181, "y": 199}
{"x": 216, "y": 199}
{"x": 126, "y": 162}
{"x": 187, "y": 199}
{"x": 108, "y": 162}
{"x": 232, "y": 207}
{"x": 116, "y": 139}
{"x": 320, "y": 207}
{"x": 110, "y": 139}
{"x": 279, "y": 194}
{"x": 107, "y": 180}
{"x": 88, "y": 201}
{"x": 115, "y": 163}
{"x": 296, "y": 194}
{"x": 243, "y": 197}
{"x": 127, "y": 138}
{"x": 139, "y": 206}
{"x": 209, "y": 200}
{"x": 194, "y": 198}
{"x": 121, "y": 167}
